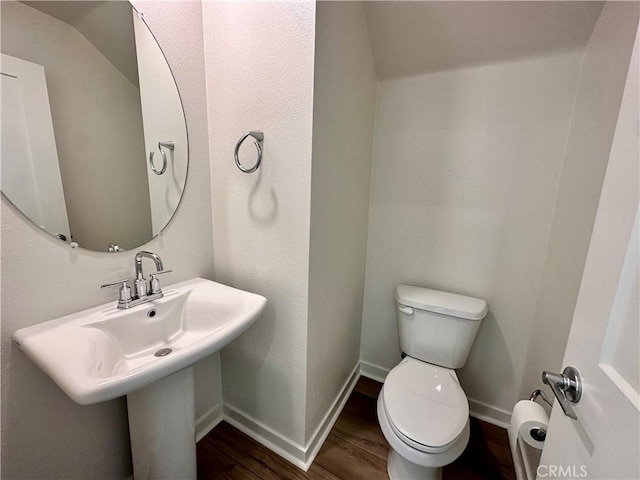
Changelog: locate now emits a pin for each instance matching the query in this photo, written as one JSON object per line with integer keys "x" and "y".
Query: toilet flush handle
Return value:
{"x": 406, "y": 310}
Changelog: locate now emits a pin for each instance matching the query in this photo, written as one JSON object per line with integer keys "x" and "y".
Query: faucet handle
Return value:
{"x": 154, "y": 283}
{"x": 124, "y": 283}
{"x": 125, "y": 291}
{"x": 160, "y": 272}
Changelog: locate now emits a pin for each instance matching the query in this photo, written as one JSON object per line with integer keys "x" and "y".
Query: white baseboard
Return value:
{"x": 480, "y": 410}
{"x": 490, "y": 414}
{"x": 322, "y": 432}
{"x": 208, "y": 421}
{"x": 301, "y": 456}
{"x": 265, "y": 435}
{"x": 374, "y": 372}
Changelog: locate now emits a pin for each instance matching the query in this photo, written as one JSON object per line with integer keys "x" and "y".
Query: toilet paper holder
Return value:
{"x": 539, "y": 434}
{"x": 539, "y": 393}
{"x": 527, "y": 433}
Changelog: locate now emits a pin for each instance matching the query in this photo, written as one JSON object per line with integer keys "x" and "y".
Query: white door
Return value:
{"x": 30, "y": 170}
{"x": 604, "y": 442}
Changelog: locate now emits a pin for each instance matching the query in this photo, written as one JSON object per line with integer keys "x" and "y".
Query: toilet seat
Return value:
{"x": 425, "y": 405}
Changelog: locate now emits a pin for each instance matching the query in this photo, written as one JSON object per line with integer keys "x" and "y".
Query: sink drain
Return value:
{"x": 163, "y": 352}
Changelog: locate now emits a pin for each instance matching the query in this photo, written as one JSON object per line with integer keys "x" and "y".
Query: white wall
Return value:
{"x": 465, "y": 171}
{"x": 45, "y": 434}
{"x": 343, "y": 116}
{"x": 75, "y": 71}
{"x": 597, "y": 104}
{"x": 259, "y": 67}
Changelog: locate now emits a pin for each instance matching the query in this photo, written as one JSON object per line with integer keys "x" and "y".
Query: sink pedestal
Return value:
{"x": 162, "y": 428}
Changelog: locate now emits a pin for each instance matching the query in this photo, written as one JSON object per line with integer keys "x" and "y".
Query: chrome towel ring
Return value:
{"x": 258, "y": 138}
{"x": 155, "y": 170}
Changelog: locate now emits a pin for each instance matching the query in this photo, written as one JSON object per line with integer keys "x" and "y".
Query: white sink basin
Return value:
{"x": 103, "y": 353}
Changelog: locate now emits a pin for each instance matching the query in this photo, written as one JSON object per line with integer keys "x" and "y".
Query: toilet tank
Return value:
{"x": 437, "y": 327}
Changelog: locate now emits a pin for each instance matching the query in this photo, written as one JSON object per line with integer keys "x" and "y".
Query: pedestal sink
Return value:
{"x": 145, "y": 353}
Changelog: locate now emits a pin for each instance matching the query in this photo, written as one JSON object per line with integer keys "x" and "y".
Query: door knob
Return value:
{"x": 567, "y": 388}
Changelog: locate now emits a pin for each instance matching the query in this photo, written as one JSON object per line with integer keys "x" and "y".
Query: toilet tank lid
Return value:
{"x": 446, "y": 303}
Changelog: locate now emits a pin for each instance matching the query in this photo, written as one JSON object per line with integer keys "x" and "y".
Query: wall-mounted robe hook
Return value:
{"x": 258, "y": 138}
{"x": 161, "y": 145}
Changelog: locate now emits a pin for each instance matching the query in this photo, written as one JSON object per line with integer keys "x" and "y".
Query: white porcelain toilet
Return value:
{"x": 422, "y": 409}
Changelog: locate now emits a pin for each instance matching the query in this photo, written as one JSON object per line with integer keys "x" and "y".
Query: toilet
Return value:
{"x": 422, "y": 410}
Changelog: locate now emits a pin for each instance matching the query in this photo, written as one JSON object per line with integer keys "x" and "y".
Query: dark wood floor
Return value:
{"x": 355, "y": 449}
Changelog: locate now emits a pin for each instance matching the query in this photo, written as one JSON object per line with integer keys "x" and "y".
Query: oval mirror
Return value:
{"x": 94, "y": 141}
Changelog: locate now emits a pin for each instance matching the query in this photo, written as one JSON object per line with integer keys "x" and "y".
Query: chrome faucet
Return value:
{"x": 142, "y": 293}
{"x": 140, "y": 282}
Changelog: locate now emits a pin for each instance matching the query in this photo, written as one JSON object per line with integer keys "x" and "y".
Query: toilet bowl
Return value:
{"x": 422, "y": 409}
{"x": 424, "y": 415}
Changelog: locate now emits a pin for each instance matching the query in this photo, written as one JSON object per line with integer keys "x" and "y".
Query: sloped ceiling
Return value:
{"x": 414, "y": 37}
{"x": 407, "y": 37}
{"x": 108, "y": 25}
